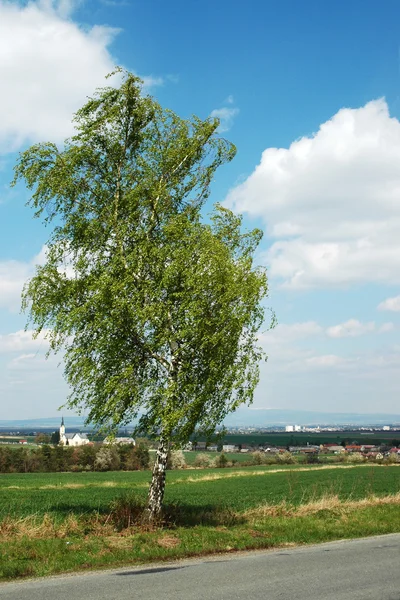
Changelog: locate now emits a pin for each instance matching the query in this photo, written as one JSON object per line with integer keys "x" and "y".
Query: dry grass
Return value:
{"x": 105, "y": 526}
{"x": 327, "y": 503}
{"x": 168, "y": 541}
{"x": 73, "y": 486}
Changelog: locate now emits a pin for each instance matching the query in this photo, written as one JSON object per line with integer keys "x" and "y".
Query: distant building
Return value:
{"x": 289, "y": 428}
{"x": 72, "y": 439}
{"x": 229, "y": 448}
{"x": 200, "y": 446}
{"x": 120, "y": 440}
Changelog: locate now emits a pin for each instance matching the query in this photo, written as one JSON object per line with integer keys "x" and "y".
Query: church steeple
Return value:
{"x": 62, "y": 431}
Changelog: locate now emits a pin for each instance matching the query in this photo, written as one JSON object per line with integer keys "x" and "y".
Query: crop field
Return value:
{"x": 59, "y": 522}
{"x": 60, "y": 494}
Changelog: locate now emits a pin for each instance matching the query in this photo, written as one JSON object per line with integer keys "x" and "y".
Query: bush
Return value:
{"x": 286, "y": 458}
{"x": 220, "y": 462}
{"x": 355, "y": 457}
{"x": 312, "y": 459}
{"x": 107, "y": 459}
{"x": 270, "y": 459}
{"x": 178, "y": 460}
{"x": 202, "y": 460}
{"x": 257, "y": 458}
{"x": 392, "y": 459}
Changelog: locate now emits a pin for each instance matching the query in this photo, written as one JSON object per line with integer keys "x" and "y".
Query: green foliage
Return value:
{"x": 67, "y": 458}
{"x": 55, "y": 438}
{"x": 312, "y": 458}
{"x": 42, "y": 438}
{"x": 157, "y": 310}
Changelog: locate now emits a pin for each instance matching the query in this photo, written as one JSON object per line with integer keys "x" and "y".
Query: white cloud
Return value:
{"x": 331, "y": 202}
{"x": 292, "y": 347}
{"x": 351, "y": 328}
{"x": 22, "y": 341}
{"x": 326, "y": 360}
{"x": 13, "y": 276}
{"x": 48, "y": 66}
{"x": 226, "y": 116}
{"x": 392, "y": 304}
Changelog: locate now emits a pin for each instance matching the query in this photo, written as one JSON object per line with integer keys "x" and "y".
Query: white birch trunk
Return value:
{"x": 157, "y": 487}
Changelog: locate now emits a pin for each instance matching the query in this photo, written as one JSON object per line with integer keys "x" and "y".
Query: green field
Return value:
{"x": 51, "y": 523}
{"x": 83, "y": 493}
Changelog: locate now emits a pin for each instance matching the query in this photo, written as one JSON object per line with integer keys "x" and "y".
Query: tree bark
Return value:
{"x": 157, "y": 486}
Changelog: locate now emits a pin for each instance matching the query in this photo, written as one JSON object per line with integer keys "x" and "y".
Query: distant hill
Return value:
{"x": 245, "y": 417}
{"x": 43, "y": 423}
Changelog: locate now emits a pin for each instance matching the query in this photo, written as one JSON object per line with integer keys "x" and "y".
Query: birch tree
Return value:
{"x": 156, "y": 310}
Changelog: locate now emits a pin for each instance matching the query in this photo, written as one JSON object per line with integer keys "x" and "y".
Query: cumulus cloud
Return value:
{"x": 351, "y": 328}
{"x": 392, "y": 304}
{"x": 48, "y": 66}
{"x": 331, "y": 202}
{"x": 226, "y": 116}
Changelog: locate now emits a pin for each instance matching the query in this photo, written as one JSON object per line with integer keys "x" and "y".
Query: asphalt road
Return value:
{"x": 365, "y": 569}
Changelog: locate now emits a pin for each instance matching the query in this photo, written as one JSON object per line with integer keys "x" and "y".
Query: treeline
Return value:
{"x": 50, "y": 459}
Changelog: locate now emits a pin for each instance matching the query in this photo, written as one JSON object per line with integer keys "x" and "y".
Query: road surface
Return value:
{"x": 365, "y": 569}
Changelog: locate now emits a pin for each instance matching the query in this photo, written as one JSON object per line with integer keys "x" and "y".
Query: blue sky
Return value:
{"x": 310, "y": 94}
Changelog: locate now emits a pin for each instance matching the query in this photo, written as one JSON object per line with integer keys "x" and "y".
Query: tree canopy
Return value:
{"x": 156, "y": 308}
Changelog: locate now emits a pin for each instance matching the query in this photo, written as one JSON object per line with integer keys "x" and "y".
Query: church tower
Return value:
{"x": 62, "y": 431}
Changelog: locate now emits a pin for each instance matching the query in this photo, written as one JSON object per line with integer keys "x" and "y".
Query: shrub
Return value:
{"x": 340, "y": 458}
{"x": 202, "y": 460}
{"x": 286, "y": 458}
{"x": 257, "y": 458}
{"x": 178, "y": 460}
{"x": 220, "y": 462}
{"x": 270, "y": 459}
{"x": 355, "y": 457}
{"x": 393, "y": 458}
{"x": 312, "y": 459}
{"x": 107, "y": 459}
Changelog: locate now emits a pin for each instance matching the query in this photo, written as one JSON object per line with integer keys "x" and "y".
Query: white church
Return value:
{"x": 72, "y": 439}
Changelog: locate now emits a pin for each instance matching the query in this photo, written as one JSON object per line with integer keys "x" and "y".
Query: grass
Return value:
{"x": 240, "y": 457}
{"x": 52, "y": 523}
